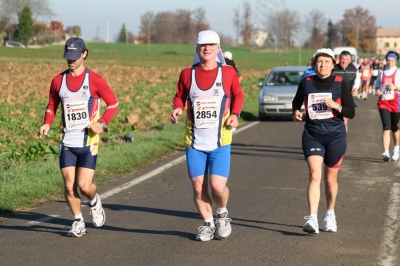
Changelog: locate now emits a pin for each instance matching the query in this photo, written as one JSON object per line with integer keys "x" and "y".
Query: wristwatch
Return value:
{"x": 103, "y": 125}
{"x": 339, "y": 109}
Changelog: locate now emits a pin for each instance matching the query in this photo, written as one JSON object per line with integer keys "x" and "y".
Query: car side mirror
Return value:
{"x": 259, "y": 84}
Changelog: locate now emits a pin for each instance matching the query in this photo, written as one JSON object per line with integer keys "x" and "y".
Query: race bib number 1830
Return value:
{"x": 76, "y": 115}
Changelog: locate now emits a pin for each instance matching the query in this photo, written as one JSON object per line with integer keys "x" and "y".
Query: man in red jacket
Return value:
{"x": 214, "y": 100}
{"x": 79, "y": 90}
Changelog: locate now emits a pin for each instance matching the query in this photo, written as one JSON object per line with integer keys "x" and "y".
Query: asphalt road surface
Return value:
{"x": 151, "y": 218}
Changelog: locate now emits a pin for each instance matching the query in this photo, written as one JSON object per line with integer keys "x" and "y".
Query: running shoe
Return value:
{"x": 330, "y": 224}
{"x": 78, "y": 229}
{"x": 223, "y": 225}
{"x": 206, "y": 232}
{"x": 311, "y": 226}
{"x": 395, "y": 155}
{"x": 386, "y": 156}
{"x": 97, "y": 212}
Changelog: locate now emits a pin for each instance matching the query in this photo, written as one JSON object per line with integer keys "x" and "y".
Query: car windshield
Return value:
{"x": 284, "y": 78}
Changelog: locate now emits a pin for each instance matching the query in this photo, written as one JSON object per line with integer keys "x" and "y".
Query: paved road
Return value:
{"x": 154, "y": 222}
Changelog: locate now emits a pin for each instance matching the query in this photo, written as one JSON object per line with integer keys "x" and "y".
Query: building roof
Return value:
{"x": 388, "y": 32}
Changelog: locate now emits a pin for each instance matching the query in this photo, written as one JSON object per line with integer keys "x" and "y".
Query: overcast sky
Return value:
{"x": 93, "y": 16}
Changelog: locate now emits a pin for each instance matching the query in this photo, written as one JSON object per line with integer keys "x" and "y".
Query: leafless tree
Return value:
{"x": 246, "y": 25}
{"x": 164, "y": 27}
{"x": 359, "y": 28}
{"x": 199, "y": 20}
{"x": 236, "y": 23}
{"x": 12, "y": 9}
{"x": 147, "y": 27}
{"x": 281, "y": 26}
{"x": 184, "y": 30}
{"x": 316, "y": 27}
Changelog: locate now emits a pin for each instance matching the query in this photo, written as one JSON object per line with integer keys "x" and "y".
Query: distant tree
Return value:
{"x": 236, "y": 23}
{"x": 164, "y": 27}
{"x": 316, "y": 25}
{"x": 73, "y": 31}
{"x": 199, "y": 20}
{"x": 25, "y": 25}
{"x": 332, "y": 35}
{"x": 359, "y": 28}
{"x": 147, "y": 27}
{"x": 245, "y": 23}
{"x": 281, "y": 26}
{"x": 184, "y": 28}
{"x": 122, "y": 36}
{"x": 12, "y": 9}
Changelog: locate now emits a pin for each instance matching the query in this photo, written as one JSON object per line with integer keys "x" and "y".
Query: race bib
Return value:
{"x": 206, "y": 114}
{"x": 375, "y": 72}
{"x": 366, "y": 73}
{"x": 76, "y": 116}
{"x": 387, "y": 94}
{"x": 317, "y": 108}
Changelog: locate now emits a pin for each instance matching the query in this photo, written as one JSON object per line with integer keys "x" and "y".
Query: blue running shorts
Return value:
{"x": 78, "y": 157}
{"x": 216, "y": 162}
{"x": 332, "y": 150}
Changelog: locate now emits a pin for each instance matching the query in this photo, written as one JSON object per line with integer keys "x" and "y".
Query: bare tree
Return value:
{"x": 332, "y": 35}
{"x": 359, "y": 28}
{"x": 281, "y": 26}
{"x": 236, "y": 22}
{"x": 184, "y": 31}
{"x": 199, "y": 20}
{"x": 12, "y": 9}
{"x": 246, "y": 25}
{"x": 316, "y": 27}
{"x": 147, "y": 27}
{"x": 164, "y": 27}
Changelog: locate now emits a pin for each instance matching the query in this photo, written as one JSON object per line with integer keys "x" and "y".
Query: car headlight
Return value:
{"x": 268, "y": 98}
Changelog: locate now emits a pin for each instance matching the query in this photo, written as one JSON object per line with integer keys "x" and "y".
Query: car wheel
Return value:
{"x": 262, "y": 117}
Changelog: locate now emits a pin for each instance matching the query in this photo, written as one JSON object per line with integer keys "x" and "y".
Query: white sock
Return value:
{"x": 93, "y": 201}
{"x": 330, "y": 213}
{"x": 210, "y": 220}
{"x": 396, "y": 148}
{"x": 386, "y": 152}
{"x": 79, "y": 216}
{"x": 221, "y": 210}
{"x": 314, "y": 217}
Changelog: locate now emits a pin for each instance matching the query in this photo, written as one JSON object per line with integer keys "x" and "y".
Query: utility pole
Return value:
{"x": 108, "y": 30}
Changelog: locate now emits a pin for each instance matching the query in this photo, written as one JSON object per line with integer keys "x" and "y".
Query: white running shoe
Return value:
{"x": 78, "y": 229}
{"x": 311, "y": 226}
{"x": 206, "y": 232}
{"x": 386, "y": 156}
{"x": 97, "y": 212}
{"x": 395, "y": 155}
{"x": 330, "y": 224}
{"x": 223, "y": 225}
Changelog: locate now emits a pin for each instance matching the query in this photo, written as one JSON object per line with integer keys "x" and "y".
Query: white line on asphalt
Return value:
{"x": 141, "y": 178}
{"x": 388, "y": 250}
{"x": 43, "y": 219}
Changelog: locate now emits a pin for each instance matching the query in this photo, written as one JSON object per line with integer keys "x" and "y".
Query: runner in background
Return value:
{"x": 229, "y": 61}
{"x": 376, "y": 67}
{"x": 388, "y": 85}
{"x": 79, "y": 90}
{"x": 348, "y": 72}
{"x": 365, "y": 72}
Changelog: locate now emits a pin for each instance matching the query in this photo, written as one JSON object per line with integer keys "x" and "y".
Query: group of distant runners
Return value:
{"x": 211, "y": 93}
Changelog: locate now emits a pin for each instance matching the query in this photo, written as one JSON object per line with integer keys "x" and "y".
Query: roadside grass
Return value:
{"x": 29, "y": 172}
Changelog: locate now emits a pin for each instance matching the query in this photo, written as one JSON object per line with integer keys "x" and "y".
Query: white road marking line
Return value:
{"x": 140, "y": 178}
{"x": 43, "y": 219}
{"x": 388, "y": 250}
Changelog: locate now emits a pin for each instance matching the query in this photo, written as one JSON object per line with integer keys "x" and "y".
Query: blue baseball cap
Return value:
{"x": 74, "y": 47}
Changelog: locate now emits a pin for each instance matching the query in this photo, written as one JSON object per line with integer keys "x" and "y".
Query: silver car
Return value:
{"x": 278, "y": 90}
